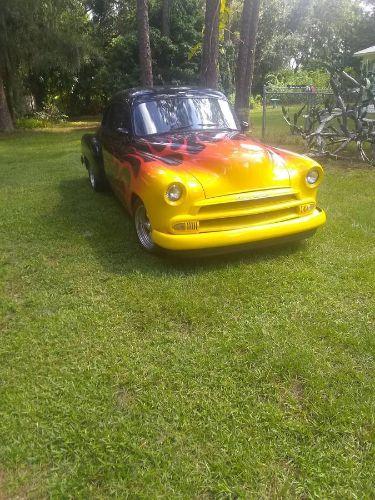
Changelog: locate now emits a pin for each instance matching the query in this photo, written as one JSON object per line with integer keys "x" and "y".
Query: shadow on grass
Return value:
{"x": 105, "y": 224}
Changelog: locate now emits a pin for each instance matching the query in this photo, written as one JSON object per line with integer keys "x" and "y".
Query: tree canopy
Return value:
{"x": 77, "y": 53}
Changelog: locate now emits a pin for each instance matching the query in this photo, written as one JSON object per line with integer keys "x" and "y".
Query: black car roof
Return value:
{"x": 145, "y": 94}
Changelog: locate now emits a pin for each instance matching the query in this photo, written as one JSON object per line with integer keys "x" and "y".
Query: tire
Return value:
{"x": 143, "y": 228}
{"x": 96, "y": 179}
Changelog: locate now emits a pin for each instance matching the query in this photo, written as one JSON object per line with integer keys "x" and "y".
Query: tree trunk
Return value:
{"x": 210, "y": 51}
{"x": 242, "y": 55}
{"x": 10, "y": 95}
{"x": 145, "y": 61}
{"x": 246, "y": 56}
{"x": 252, "y": 47}
{"x": 165, "y": 18}
{"x": 6, "y": 124}
{"x": 227, "y": 29}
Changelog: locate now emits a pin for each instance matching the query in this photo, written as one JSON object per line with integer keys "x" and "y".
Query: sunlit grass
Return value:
{"x": 126, "y": 375}
{"x": 64, "y": 125}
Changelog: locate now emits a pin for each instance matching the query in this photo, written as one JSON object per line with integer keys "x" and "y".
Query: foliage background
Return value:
{"x": 76, "y": 53}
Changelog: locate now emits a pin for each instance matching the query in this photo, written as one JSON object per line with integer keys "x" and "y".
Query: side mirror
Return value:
{"x": 244, "y": 126}
{"x": 122, "y": 131}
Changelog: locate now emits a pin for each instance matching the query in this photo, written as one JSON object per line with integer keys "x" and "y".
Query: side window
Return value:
{"x": 116, "y": 116}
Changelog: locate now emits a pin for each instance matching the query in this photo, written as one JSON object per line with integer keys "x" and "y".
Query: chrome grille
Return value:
{"x": 248, "y": 209}
{"x": 227, "y": 223}
{"x": 235, "y": 206}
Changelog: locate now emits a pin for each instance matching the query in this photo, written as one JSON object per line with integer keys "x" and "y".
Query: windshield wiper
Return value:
{"x": 215, "y": 125}
{"x": 193, "y": 125}
{"x": 207, "y": 125}
{"x": 183, "y": 127}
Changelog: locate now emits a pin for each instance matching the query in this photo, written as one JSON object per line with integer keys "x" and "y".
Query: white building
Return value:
{"x": 368, "y": 58}
{"x": 368, "y": 64}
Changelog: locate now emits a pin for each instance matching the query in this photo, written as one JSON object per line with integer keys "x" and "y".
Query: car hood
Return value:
{"x": 223, "y": 162}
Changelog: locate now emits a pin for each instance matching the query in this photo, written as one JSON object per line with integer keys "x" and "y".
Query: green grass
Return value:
{"x": 277, "y": 130}
{"x": 36, "y": 123}
{"x": 127, "y": 375}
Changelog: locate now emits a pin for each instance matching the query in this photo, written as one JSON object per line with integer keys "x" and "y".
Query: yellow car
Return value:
{"x": 179, "y": 160}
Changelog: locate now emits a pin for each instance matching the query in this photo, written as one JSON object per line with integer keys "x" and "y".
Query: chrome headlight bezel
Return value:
{"x": 313, "y": 176}
{"x": 175, "y": 193}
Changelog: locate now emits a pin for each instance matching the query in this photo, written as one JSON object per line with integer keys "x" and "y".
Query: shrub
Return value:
{"x": 50, "y": 113}
{"x": 255, "y": 101}
{"x": 319, "y": 78}
{"x": 30, "y": 123}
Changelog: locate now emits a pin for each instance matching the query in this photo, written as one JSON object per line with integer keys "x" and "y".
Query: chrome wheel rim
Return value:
{"x": 143, "y": 228}
{"x": 92, "y": 178}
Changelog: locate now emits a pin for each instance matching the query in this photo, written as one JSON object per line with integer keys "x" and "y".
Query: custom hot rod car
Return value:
{"x": 179, "y": 160}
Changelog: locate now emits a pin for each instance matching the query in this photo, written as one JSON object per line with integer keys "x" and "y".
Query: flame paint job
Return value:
{"x": 215, "y": 167}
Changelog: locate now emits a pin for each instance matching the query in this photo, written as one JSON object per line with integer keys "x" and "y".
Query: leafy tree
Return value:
{"x": 165, "y": 17}
{"x": 318, "y": 77}
{"x": 77, "y": 53}
{"x": 114, "y": 64}
{"x": 38, "y": 38}
{"x": 325, "y": 31}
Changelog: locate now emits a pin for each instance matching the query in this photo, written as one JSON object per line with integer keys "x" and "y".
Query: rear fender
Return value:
{"x": 91, "y": 153}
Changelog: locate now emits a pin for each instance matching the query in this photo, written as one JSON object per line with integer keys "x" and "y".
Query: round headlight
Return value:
{"x": 174, "y": 192}
{"x": 312, "y": 177}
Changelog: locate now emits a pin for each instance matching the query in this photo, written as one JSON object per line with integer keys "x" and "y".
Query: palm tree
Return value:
{"x": 210, "y": 50}
{"x": 246, "y": 55}
{"x": 145, "y": 61}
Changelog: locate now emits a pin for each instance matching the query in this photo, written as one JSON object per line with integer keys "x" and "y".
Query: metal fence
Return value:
{"x": 293, "y": 97}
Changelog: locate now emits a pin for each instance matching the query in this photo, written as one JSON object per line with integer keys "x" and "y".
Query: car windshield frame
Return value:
{"x": 223, "y": 106}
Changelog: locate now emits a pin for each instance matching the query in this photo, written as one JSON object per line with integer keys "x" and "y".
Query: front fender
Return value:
{"x": 298, "y": 166}
{"x": 152, "y": 187}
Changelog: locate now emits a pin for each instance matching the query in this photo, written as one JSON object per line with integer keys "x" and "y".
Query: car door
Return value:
{"x": 115, "y": 138}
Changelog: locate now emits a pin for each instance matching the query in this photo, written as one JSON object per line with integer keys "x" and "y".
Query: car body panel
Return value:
{"x": 236, "y": 190}
{"x": 254, "y": 233}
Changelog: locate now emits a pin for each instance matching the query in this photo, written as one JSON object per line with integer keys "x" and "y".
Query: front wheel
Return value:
{"x": 143, "y": 228}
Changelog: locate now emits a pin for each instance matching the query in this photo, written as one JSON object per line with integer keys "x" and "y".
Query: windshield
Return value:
{"x": 170, "y": 114}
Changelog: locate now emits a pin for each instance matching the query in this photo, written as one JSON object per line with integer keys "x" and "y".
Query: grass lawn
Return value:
{"x": 127, "y": 375}
{"x": 277, "y": 130}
